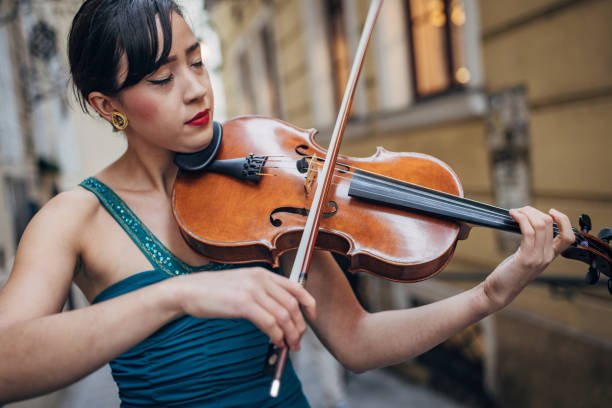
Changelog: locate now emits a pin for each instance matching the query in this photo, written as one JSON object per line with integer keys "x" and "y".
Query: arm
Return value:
{"x": 45, "y": 353}
{"x": 42, "y": 349}
{"x": 362, "y": 341}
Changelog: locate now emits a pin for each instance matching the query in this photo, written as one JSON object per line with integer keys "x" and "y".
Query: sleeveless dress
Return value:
{"x": 189, "y": 362}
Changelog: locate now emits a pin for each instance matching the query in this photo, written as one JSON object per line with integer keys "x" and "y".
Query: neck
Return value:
{"x": 373, "y": 187}
{"x": 149, "y": 167}
{"x": 408, "y": 196}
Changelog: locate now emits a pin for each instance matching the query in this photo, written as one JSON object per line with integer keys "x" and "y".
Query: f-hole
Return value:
{"x": 300, "y": 211}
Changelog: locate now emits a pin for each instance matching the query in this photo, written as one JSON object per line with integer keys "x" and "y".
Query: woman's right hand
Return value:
{"x": 272, "y": 302}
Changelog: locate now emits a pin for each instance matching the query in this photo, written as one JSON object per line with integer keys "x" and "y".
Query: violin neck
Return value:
{"x": 411, "y": 197}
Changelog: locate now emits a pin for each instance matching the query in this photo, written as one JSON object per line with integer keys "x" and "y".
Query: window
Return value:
{"x": 246, "y": 84}
{"x": 437, "y": 46}
{"x": 271, "y": 72}
{"x": 338, "y": 47}
{"x": 257, "y": 75}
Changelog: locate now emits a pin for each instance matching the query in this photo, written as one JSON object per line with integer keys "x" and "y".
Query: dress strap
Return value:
{"x": 156, "y": 252}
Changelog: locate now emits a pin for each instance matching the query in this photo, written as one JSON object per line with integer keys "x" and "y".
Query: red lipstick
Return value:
{"x": 201, "y": 119}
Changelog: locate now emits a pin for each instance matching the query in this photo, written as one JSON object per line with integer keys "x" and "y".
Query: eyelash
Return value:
{"x": 162, "y": 81}
{"x": 171, "y": 77}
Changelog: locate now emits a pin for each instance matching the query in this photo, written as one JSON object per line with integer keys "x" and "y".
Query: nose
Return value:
{"x": 196, "y": 87}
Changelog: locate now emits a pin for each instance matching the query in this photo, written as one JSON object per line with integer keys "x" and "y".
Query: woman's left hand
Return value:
{"x": 537, "y": 250}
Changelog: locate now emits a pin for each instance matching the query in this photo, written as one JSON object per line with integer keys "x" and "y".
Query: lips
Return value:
{"x": 201, "y": 119}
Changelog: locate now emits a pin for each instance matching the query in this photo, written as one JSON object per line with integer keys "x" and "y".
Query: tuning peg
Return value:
{"x": 585, "y": 223}
{"x": 605, "y": 234}
{"x": 592, "y": 276}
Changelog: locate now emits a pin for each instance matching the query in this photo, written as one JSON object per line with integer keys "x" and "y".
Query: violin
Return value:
{"x": 397, "y": 215}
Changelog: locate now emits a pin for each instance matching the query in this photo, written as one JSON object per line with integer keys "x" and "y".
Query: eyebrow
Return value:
{"x": 189, "y": 50}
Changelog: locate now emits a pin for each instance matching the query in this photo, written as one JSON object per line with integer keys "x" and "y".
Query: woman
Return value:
{"x": 177, "y": 337}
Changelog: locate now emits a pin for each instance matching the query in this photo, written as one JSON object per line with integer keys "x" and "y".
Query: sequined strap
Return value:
{"x": 155, "y": 251}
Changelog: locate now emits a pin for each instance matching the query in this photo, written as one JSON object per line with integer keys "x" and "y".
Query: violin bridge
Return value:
{"x": 311, "y": 174}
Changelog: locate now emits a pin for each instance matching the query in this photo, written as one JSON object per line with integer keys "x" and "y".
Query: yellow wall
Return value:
{"x": 559, "y": 51}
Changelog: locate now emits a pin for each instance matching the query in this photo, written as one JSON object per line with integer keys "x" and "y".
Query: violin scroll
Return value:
{"x": 595, "y": 251}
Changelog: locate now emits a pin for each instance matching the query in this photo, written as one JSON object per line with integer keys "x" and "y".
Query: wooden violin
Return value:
{"x": 396, "y": 215}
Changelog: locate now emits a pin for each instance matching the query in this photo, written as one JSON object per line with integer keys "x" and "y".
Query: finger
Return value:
{"x": 283, "y": 317}
{"x": 292, "y": 307}
{"x": 266, "y": 322}
{"x": 542, "y": 225}
{"x": 527, "y": 231}
{"x": 566, "y": 236}
{"x": 308, "y": 302}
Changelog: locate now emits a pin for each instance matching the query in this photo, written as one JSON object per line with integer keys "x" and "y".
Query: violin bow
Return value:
{"x": 301, "y": 264}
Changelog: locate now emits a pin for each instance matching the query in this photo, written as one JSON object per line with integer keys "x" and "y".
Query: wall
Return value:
{"x": 558, "y": 51}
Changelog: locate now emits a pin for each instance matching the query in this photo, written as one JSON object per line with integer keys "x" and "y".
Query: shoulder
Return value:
{"x": 65, "y": 213}
{"x": 77, "y": 203}
{"x": 47, "y": 253}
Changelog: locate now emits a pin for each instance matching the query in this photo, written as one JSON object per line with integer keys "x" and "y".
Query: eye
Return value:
{"x": 198, "y": 64}
{"x": 161, "y": 81}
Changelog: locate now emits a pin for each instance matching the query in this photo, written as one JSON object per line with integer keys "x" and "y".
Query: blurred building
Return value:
{"x": 47, "y": 144}
{"x": 517, "y": 98}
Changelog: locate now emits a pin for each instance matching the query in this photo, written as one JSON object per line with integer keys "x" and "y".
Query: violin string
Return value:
{"x": 432, "y": 194}
{"x": 429, "y": 201}
{"x": 400, "y": 221}
{"x": 436, "y": 196}
{"x": 335, "y": 177}
{"x": 495, "y": 212}
{"x": 280, "y": 167}
{"x": 433, "y": 197}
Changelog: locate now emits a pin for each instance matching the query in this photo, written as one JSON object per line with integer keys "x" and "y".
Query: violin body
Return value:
{"x": 233, "y": 221}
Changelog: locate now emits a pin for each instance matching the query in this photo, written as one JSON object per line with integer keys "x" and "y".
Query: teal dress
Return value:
{"x": 189, "y": 362}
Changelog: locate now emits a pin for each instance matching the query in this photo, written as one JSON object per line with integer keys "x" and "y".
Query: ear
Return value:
{"x": 102, "y": 104}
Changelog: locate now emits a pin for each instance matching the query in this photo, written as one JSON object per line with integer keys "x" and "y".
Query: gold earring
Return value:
{"x": 120, "y": 122}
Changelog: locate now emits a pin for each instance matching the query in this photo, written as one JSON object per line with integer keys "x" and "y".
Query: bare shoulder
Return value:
{"x": 76, "y": 199}
{"x": 67, "y": 211}
{"x": 46, "y": 257}
{"x": 58, "y": 225}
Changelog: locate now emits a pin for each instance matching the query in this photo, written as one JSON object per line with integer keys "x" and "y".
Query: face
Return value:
{"x": 173, "y": 107}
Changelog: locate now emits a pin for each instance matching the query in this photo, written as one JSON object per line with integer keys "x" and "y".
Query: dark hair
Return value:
{"x": 104, "y": 30}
